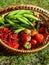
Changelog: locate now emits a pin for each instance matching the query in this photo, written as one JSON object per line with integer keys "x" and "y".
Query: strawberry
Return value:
{"x": 26, "y": 37}
{"x": 4, "y": 37}
{"x": 1, "y": 33}
{"x": 5, "y": 30}
{"x": 13, "y": 45}
{"x": 1, "y": 29}
{"x": 13, "y": 38}
{"x": 33, "y": 42}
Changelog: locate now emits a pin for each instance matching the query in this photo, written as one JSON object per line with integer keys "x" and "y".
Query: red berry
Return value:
{"x": 42, "y": 30}
{"x": 4, "y": 37}
{"x": 13, "y": 45}
{"x": 26, "y": 37}
{"x": 16, "y": 35}
{"x": 39, "y": 37}
{"x": 5, "y": 30}
{"x": 33, "y": 41}
{"x": 13, "y": 38}
{"x": 1, "y": 30}
{"x": 23, "y": 39}
{"x": 16, "y": 46}
{"x": 3, "y": 34}
{"x": 33, "y": 32}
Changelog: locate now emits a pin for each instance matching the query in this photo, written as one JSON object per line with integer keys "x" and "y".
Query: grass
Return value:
{"x": 42, "y": 3}
{"x": 39, "y": 58}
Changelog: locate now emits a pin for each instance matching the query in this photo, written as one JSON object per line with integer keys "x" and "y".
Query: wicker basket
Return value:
{"x": 25, "y": 7}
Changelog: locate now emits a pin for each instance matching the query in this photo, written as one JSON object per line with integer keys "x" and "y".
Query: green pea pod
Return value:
{"x": 2, "y": 19}
{"x": 9, "y": 21}
{"x": 15, "y": 21}
{"x": 18, "y": 12}
{"x": 12, "y": 13}
{"x": 6, "y": 25}
{"x": 25, "y": 12}
{"x": 31, "y": 17}
{"x": 19, "y": 30}
{"x": 22, "y": 24}
{"x": 16, "y": 25}
{"x": 13, "y": 16}
{"x": 22, "y": 20}
{"x": 29, "y": 23}
{"x": 26, "y": 26}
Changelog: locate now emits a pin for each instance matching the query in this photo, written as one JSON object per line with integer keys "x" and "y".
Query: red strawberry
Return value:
{"x": 13, "y": 38}
{"x": 4, "y": 37}
{"x": 5, "y": 30}
{"x": 13, "y": 45}
{"x": 16, "y": 35}
{"x": 26, "y": 37}
{"x": 1, "y": 32}
{"x": 1, "y": 29}
{"x": 33, "y": 41}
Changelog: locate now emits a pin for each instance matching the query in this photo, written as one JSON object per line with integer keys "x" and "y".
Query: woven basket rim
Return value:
{"x": 28, "y": 7}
